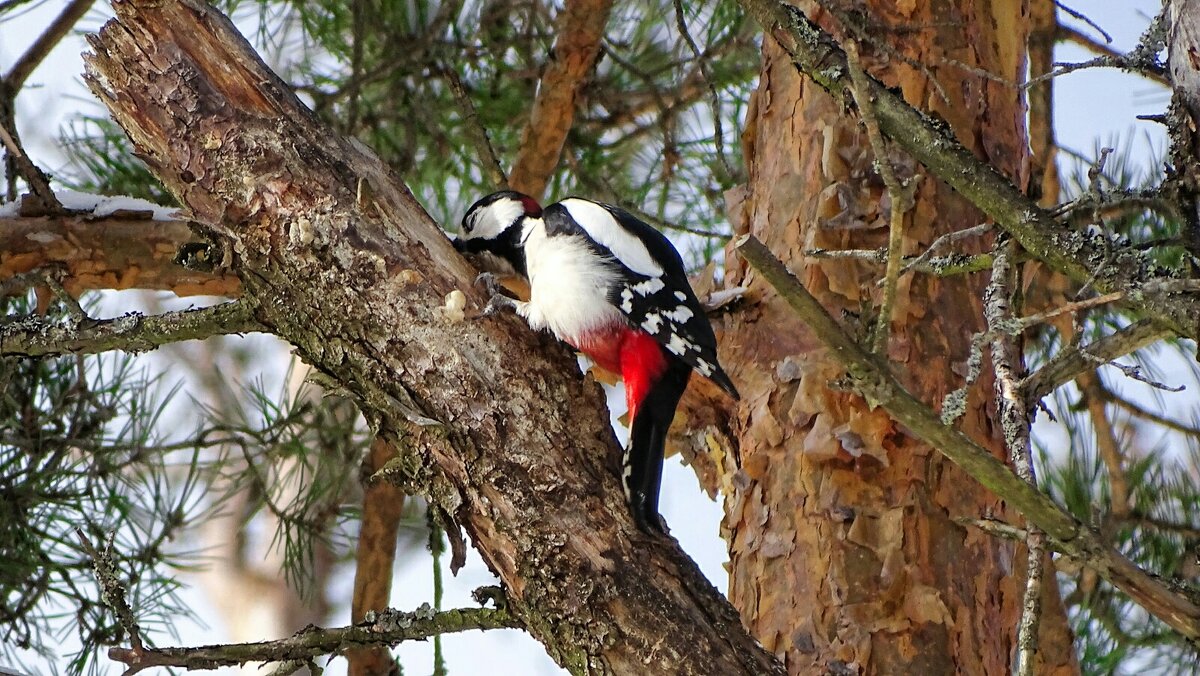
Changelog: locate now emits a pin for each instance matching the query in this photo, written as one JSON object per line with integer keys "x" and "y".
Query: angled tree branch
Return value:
{"x": 113, "y": 251}
{"x": 874, "y": 381}
{"x": 134, "y": 332}
{"x": 579, "y": 28}
{"x": 45, "y": 42}
{"x": 1071, "y": 362}
{"x": 337, "y": 258}
{"x": 385, "y": 628}
{"x": 1082, "y": 257}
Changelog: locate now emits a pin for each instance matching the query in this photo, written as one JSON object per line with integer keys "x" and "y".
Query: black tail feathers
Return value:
{"x": 642, "y": 471}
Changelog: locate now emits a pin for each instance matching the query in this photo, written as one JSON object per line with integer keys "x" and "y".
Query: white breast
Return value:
{"x": 568, "y": 286}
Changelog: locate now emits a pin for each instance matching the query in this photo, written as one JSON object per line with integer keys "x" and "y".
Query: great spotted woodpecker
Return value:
{"x": 615, "y": 289}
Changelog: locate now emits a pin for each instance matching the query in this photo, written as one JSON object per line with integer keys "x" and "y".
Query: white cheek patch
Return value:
{"x": 491, "y": 221}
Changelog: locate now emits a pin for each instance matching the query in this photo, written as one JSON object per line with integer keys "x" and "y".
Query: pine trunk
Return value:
{"x": 845, "y": 554}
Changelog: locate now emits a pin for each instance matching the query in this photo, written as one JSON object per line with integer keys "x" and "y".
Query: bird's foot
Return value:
{"x": 647, "y": 518}
{"x": 497, "y": 300}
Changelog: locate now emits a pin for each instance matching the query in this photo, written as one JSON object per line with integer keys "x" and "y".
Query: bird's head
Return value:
{"x": 494, "y": 224}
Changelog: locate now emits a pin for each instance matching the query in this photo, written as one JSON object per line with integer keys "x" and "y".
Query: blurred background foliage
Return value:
{"x": 643, "y": 135}
{"x": 82, "y": 441}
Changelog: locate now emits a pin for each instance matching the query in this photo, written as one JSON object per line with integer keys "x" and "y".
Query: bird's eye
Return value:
{"x": 469, "y": 223}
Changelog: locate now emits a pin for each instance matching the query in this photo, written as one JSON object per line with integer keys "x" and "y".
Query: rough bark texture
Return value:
{"x": 845, "y": 556}
{"x": 1056, "y": 644}
{"x": 339, "y": 259}
{"x": 122, "y": 251}
{"x": 1183, "y": 61}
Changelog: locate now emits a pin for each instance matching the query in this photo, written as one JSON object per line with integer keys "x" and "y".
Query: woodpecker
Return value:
{"x": 615, "y": 289}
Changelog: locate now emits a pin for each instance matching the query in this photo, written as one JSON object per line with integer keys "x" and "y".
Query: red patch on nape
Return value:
{"x": 532, "y": 208}
{"x": 633, "y": 354}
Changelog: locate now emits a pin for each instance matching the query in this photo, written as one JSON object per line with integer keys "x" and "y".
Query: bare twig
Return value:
{"x": 74, "y": 309}
{"x": 54, "y": 33}
{"x": 1143, "y": 59}
{"x": 1084, "y": 18}
{"x": 901, "y": 196}
{"x": 1134, "y": 372}
{"x": 111, "y": 589}
{"x": 38, "y": 183}
{"x": 133, "y": 332}
{"x": 9, "y": 5}
{"x": 1015, "y": 422}
{"x": 1075, "y": 306}
{"x": 1187, "y": 530}
{"x": 868, "y": 255}
{"x": 389, "y": 627}
{"x": 873, "y": 380}
{"x": 945, "y": 240}
{"x": 938, "y": 266}
{"x": 702, "y": 64}
{"x": 995, "y": 528}
{"x": 1071, "y": 362}
{"x": 488, "y": 161}
{"x": 1142, "y": 412}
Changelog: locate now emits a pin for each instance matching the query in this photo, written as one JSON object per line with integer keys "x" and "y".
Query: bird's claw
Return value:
{"x": 489, "y": 283}
{"x": 497, "y": 301}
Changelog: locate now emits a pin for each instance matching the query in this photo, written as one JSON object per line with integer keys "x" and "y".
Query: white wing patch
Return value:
{"x": 606, "y": 231}
{"x": 680, "y": 315}
{"x": 678, "y": 345}
{"x": 652, "y": 324}
{"x": 652, "y": 285}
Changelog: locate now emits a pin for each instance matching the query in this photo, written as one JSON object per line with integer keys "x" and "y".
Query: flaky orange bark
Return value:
{"x": 844, "y": 554}
{"x": 116, "y": 252}
{"x": 375, "y": 557}
{"x": 579, "y": 29}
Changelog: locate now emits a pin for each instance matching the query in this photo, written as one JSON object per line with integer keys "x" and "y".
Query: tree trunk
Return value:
{"x": 845, "y": 556}
{"x": 337, "y": 258}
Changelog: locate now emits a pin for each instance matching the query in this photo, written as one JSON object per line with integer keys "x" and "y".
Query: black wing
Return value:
{"x": 654, "y": 294}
